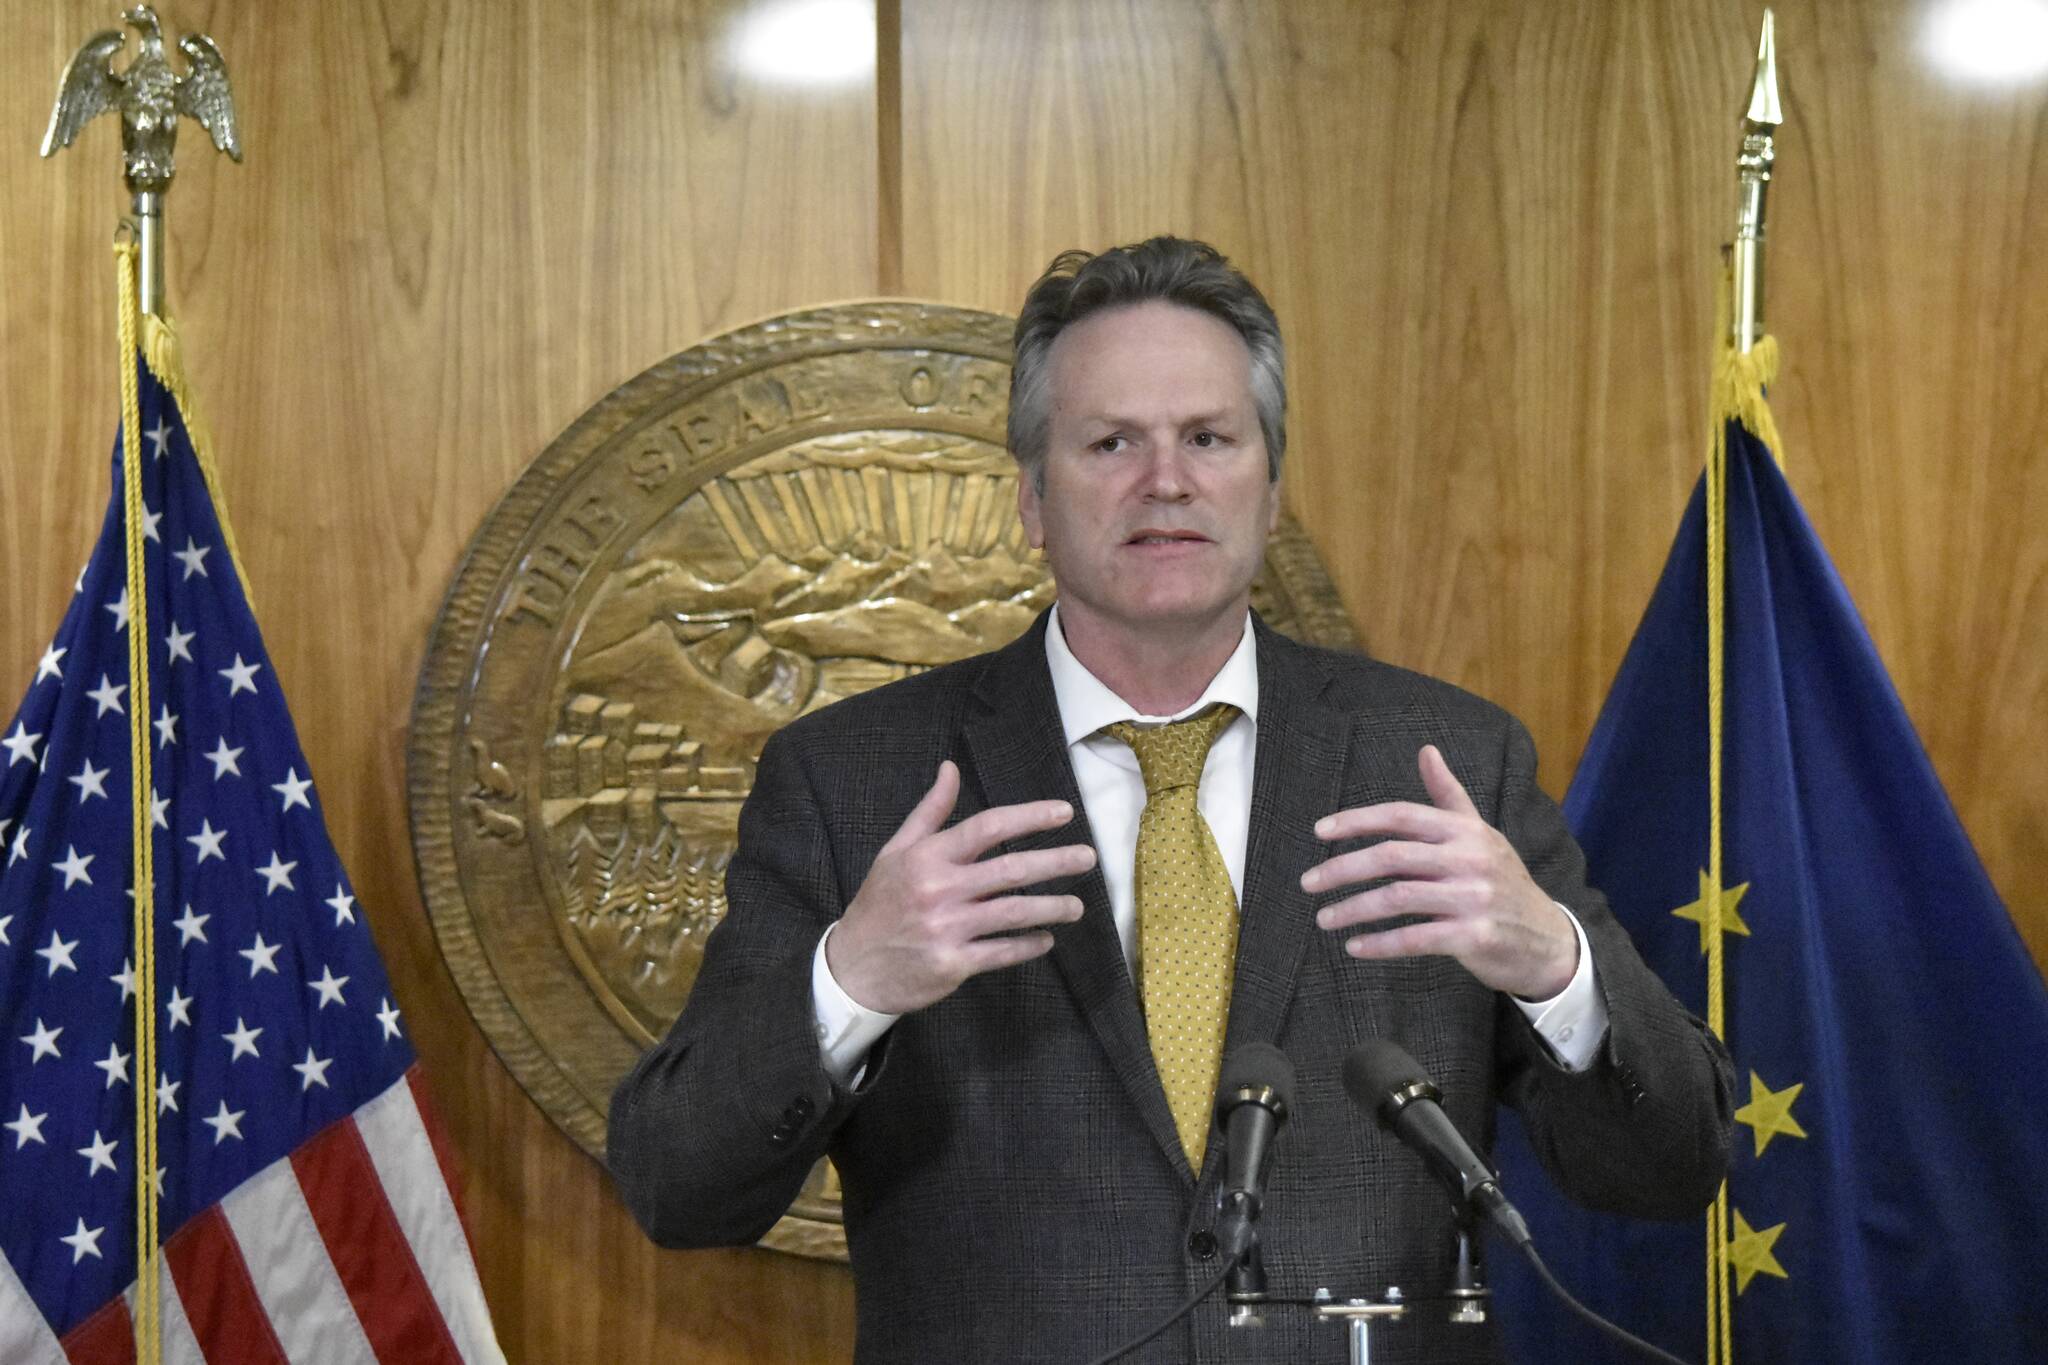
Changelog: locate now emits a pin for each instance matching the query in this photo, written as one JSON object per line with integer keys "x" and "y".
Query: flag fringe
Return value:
{"x": 164, "y": 354}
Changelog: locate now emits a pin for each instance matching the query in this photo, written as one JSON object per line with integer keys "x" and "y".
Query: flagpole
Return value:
{"x": 150, "y": 95}
{"x": 1753, "y": 174}
{"x": 1736, "y": 397}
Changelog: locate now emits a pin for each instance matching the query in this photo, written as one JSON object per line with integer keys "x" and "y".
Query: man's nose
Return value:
{"x": 1166, "y": 473}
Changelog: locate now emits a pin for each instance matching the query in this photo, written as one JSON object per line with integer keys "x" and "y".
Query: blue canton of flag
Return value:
{"x": 1888, "y": 1194}
{"x": 301, "y": 1197}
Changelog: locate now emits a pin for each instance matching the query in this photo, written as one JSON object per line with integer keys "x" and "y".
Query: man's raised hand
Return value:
{"x": 921, "y": 923}
{"x": 1479, "y": 903}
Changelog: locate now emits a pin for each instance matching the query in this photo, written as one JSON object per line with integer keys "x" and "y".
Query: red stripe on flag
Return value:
{"x": 375, "y": 1262}
{"x": 105, "y": 1338}
{"x": 220, "y": 1299}
{"x": 444, "y": 1150}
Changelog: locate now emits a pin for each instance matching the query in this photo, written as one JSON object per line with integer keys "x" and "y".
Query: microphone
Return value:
{"x": 1383, "y": 1078}
{"x": 1253, "y": 1096}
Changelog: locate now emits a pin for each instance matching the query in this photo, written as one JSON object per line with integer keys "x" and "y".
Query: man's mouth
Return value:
{"x": 1151, "y": 537}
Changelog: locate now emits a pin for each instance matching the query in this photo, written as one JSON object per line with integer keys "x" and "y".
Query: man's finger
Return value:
{"x": 1434, "y": 938}
{"x": 979, "y": 833}
{"x": 1007, "y": 914}
{"x": 1391, "y": 858}
{"x": 1386, "y": 902}
{"x": 928, "y": 816}
{"x": 1396, "y": 819}
{"x": 1009, "y": 871}
{"x": 1443, "y": 786}
{"x": 993, "y": 954}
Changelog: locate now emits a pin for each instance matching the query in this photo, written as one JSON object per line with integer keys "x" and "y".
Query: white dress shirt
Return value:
{"x": 1572, "y": 1023}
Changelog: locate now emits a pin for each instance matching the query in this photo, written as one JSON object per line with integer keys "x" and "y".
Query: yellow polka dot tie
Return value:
{"x": 1187, "y": 918}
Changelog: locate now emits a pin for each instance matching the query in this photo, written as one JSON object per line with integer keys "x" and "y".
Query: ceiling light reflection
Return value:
{"x": 808, "y": 42}
{"x": 1989, "y": 42}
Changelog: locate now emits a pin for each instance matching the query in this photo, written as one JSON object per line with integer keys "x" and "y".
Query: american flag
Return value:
{"x": 306, "y": 1207}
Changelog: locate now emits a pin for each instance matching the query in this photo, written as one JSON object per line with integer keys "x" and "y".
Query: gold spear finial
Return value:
{"x": 150, "y": 96}
{"x": 1753, "y": 175}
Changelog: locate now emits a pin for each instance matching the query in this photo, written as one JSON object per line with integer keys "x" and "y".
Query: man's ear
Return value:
{"x": 1028, "y": 510}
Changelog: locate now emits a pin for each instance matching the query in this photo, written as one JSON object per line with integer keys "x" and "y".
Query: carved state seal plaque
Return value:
{"x": 778, "y": 517}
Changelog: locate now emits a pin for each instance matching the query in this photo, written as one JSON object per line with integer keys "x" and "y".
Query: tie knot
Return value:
{"x": 1172, "y": 755}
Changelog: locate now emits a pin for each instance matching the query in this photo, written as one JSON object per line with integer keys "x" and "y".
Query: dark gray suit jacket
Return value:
{"x": 1013, "y": 1186}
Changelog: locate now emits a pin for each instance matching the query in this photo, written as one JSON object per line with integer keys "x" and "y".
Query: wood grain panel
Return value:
{"x": 1490, "y": 231}
{"x": 458, "y": 226}
{"x": 1488, "y": 227}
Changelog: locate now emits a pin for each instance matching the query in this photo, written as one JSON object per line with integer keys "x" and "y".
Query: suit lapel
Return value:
{"x": 1019, "y": 753}
{"x": 1298, "y": 777}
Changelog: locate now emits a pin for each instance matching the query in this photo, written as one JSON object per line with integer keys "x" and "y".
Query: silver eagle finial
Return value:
{"x": 150, "y": 96}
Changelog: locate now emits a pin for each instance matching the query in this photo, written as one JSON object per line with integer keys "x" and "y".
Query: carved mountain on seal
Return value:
{"x": 661, "y": 589}
{"x": 665, "y": 680}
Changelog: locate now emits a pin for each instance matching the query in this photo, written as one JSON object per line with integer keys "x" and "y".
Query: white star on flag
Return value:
{"x": 100, "y": 1153}
{"x": 115, "y": 1065}
{"x": 108, "y": 696}
{"x": 208, "y": 841}
{"x": 43, "y": 1042}
{"x": 343, "y": 905}
{"x": 20, "y": 746}
{"x": 58, "y": 954}
{"x": 241, "y": 677}
{"x": 90, "y": 781}
{"x": 48, "y": 667}
{"x": 278, "y": 873}
{"x": 224, "y": 760}
{"x": 159, "y": 438}
{"x": 166, "y": 727}
{"x": 329, "y": 986}
{"x": 125, "y": 979}
{"x": 388, "y": 1017}
{"x": 193, "y": 557}
{"x": 224, "y": 1124}
{"x": 262, "y": 956}
{"x": 190, "y": 926}
{"x": 27, "y": 1128}
{"x": 119, "y": 606}
{"x": 74, "y": 866}
{"x": 179, "y": 1008}
{"x": 242, "y": 1040}
{"x": 179, "y": 643}
{"x": 83, "y": 1242}
{"x": 294, "y": 789}
{"x": 314, "y": 1069}
{"x": 167, "y": 1094}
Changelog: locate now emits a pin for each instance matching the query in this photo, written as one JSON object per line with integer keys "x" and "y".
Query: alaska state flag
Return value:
{"x": 1888, "y": 1190}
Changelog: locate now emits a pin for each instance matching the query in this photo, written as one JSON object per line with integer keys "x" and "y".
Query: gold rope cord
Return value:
{"x": 141, "y": 787}
{"x": 1737, "y": 395}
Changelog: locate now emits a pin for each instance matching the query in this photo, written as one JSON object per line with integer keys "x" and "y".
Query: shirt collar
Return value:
{"x": 1087, "y": 704}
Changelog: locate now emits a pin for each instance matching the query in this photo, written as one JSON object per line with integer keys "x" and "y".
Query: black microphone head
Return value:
{"x": 1256, "y": 1067}
{"x": 1378, "y": 1068}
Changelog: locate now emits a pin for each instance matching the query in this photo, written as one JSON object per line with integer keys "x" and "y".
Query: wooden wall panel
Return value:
{"x": 458, "y": 226}
{"x": 1489, "y": 229}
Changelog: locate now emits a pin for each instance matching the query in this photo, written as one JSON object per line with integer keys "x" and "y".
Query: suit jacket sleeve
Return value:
{"x": 714, "y": 1131}
{"x": 1646, "y": 1130}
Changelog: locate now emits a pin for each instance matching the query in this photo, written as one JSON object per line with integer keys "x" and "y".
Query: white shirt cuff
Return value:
{"x": 1574, "y": 1021}
{"x": 847, "y": 1028}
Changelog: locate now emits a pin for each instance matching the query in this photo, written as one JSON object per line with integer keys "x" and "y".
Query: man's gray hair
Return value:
{"x": 1168, "y": 269}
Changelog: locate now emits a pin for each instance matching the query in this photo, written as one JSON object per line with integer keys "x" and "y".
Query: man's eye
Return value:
{"x": 1109, "y": 445}
{"x": 1205, "y": 439}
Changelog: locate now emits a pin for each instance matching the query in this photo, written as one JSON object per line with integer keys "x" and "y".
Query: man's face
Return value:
{"x": 1156, "y": 504}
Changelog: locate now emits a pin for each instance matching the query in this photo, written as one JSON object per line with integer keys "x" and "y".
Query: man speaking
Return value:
{"x": 993, "y": 928}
